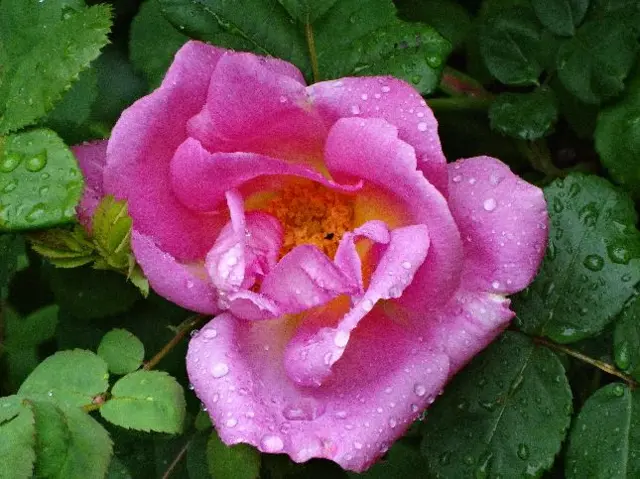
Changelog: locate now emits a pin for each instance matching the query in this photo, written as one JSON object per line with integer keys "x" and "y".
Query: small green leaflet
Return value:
{"x": 617, "y": 137}
{"x": 594, "y": 64}
{"x": 591, "y": 264}
{"x": 240, "y": 461}
{"x": 560, "y": 16}
{"x": 626, "y": 339}
{"x": 67, "y": 378}
{"x": 39, "y": 68}
{"x": 505, "y": 414}
{"x": 526, "y": 116}
{"x": 64, "y": 248}
{"x": 17, "y": 439}
{"x": 53, "y": 438}
{"x": 605, "y": 438}
{"x": 111, "y": 233}
{"x": 122, "y": 351}
{"x": 146, "y": 401}
{"x": 39, "y": 179}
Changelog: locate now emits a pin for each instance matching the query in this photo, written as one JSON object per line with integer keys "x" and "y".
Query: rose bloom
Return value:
{"x": 352, "y": 270}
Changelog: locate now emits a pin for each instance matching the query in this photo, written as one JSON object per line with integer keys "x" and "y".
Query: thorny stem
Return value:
{"x": 176, "y": 461}
{"x": 311, "y": 43}
{"x": 182, "y": 330}
{"x": 606, "y": 367}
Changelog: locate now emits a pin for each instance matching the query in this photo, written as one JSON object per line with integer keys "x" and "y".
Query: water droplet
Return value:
{"x": 618, "y": 254}
{"x": 341, "y": 338}
{"x": 355, "y": 110}
{"x": 457, "y": 179}
{"x": 434, "y": 61}
{"x": 419, "y": 390}
{"x": 385, "y": 89}
{"x": 271, "y": 443}
{"x": 482, "y": 472}
{"x": 557, "y": 205}
{"x": 495, "y": 285}
{"x": 364, "y": 96}
{"x": 618, "y": 390}
{"x": 422, "y": 126}
{"x": 406, "y": 265}
{"x": 231, "y": 422}
{"x": 10, "y": 162}
{"x": 415, "y": 79}
{"x": 367, "y": 305}
{"x": 445, "y": 458}
{"x": 341, "y": 414}
{"x": 43, "y": 190}
{"x": 593, "y": 262}
{"x": 219, "y": 370}
{"x": 588, "y": 214}
{"x": 37, "y": 162}
{"x": 523, "y": 451}
{"x": 210, "y": 333}
{"x": 35, "y": 213}
{"x": 489, "y": 204}
{"x": 392, "y": 423}
{"x": 9, "y": 187}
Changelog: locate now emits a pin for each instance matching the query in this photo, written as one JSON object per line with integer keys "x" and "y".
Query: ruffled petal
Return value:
{"x": 256, "y": 104}
{"x": 172, "y": 280}
{"x": 503, "y": 222}
{"x": 394, "y": 101}
{"x": 369, "y": 149}
{"x": 140, "y": 149}
{"x": 200, "y": 179}
{"x": 246, "y": 249}
{"x": 312, "y": 352}
{"x": 381, "y": 385}
{"x": 305, "y": 278}
{"x": 91, "y": 159}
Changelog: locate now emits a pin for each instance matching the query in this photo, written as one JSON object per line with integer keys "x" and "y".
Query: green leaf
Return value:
{"x": 605, "y": 438}
{"x": 411, "y": 51}
{"x": 617, "y": 138}
{"x": 64, "y": 248}
{"x": 53, "y": 438}
{"x": 146, "y": 401}
{"x": 401, "y": 462}
{"x": 626, "y": 339}
{"x": 197, "y": 466}
{"x": 526, "y": 116}
{"x": 88, "y": 293}
{"x": 122, "y": 351}
{"x": 511, "y": 46}
{"x": 40, "y": 68}
{"x": 263, "y": 27}
{"x": 240, "y": 461}
{"x": 153, "y": 42}
{"x": 505, "y": 414}
{"x": 68, "y": 378}
{"x": 22, "y": 337}
{"x": 623, "y": 11}
{"x": 39, "y": 179}
{"x": 89, "y": 450}
{"x": 561, "y": 16}
{"x": 449, "y": 18}
{"x": 579, "y": 115}
{"x": 17, "y": 439}
{"x": 594, "y": 64}
{"x": 591, "y": 263}
{"x": 307, "y": 11}
{"x": 118, "y": 470}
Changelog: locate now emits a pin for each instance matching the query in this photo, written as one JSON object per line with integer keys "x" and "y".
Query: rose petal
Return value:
{"x": 503, "y": 221}
{"x": 170, "y": 279}
{"x": 200, "y": 179}
{"x": 394, "y": 101}
{"x": 253, "y": 107}
{"x": 236, "y": 369}
{"x": 305, "y": 278}
{"x": 91, "y": 159}
{"x": 141, "y": 147}
{"x": 247, "y": 247}
{"x": 369, "y": 149}
{"x": 312, "y": 352}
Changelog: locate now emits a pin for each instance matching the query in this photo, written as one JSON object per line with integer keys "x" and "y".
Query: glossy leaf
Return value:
{"x": 560, "y": 16}
{"x": 53, "y": 438}
{"x": 526, "y": 116}
{"x": 591, "y": 263}
{"x": 605, "y": 439}
{"x": 39, "y": 179}
{"x": 240, "y": 461}
{"x": 17, "y": 439}
{"x": 626, "y": 339}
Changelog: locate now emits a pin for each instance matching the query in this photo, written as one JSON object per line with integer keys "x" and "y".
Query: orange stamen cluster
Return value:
{"x": 311, "y": 213}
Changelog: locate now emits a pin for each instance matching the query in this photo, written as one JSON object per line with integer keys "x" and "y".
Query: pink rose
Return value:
{"x": 352, "y": 270}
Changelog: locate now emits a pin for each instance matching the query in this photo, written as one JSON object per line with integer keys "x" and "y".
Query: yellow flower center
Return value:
{"x": 311, "y": 213}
